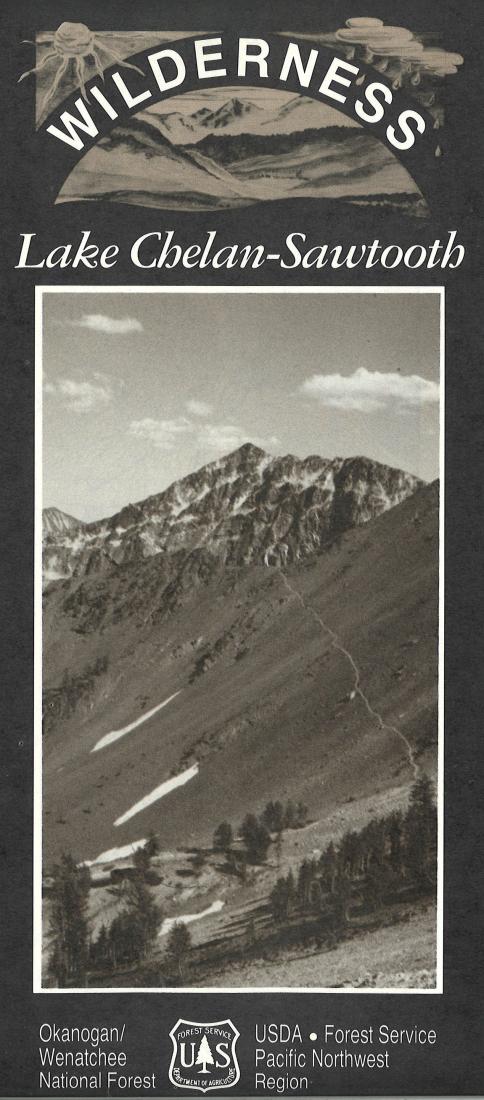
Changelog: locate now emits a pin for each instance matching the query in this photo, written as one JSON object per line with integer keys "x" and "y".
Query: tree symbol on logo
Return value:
{"x": 204, "y": 1056}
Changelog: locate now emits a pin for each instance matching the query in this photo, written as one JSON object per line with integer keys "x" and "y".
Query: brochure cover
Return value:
{"x": 242, "y": 482}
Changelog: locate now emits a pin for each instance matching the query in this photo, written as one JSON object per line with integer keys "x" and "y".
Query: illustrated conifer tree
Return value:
{"x": 178, "y": 949}
{"x": 69, "y": 924}
{"x": 204, "y": 1056}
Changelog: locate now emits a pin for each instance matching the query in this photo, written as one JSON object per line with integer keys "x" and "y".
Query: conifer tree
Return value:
{"x": 134, "y": 929}
{"x": 301, "y": 815}
{"x": 69, "y": 924}
{"x": 102, "y": 946}
{"x": 289, "y": 815}
{"x": 342, "y": 899}
{"x": 308, "y": 887}
{"x": 145, "y": 913}
{"x": 395, "y": 840}
{"x": 278, "y": 847}
{"x": 291, "y": 892}
{"x": 142, "y": 860}
{"x": 178, "y": 949}
{"x": 223, "y": 837}
{"x": 330, "y": 867}
{"x": 273, "y": 817}
{"x": 421, "y": 833}
{"x": 279, "y": 899}
{"x": 152, "y": 846}
{"x": 256, "y": 838}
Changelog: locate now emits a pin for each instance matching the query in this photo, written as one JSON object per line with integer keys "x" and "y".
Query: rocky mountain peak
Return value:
{"x": 245, "y": 507}
{"x": 55, "y": 522}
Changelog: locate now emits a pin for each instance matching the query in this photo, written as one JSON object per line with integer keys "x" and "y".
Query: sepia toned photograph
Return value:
{"x": 238, "y": 744}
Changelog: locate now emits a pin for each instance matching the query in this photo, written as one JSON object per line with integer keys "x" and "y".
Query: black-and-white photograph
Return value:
{"x": 237, "y": 769}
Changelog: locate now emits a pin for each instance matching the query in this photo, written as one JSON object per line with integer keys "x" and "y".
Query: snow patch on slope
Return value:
{"x": 168, "y": 923}
{"x": 159, "y": 792}
{"x": 112, "y": 854}
{"x": 109, "y": 738}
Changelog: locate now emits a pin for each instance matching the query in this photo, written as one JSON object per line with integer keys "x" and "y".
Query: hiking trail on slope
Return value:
{"x": 357, "y": 689}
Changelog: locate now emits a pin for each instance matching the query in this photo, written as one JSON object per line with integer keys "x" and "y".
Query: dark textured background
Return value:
{"x": 455, "y": 1064}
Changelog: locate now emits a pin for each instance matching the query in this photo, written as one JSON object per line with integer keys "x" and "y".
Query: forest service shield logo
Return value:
{"x": 204, "y": 1055}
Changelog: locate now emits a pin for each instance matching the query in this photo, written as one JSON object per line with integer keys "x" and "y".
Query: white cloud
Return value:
{"x": 368, "y": 391}
{"x": 161, "y": 433}
{"x": 81, "y": 397}
{"x": 199, "y": 408}
{"x": 110, "y": 326}
{"x": 101, "y": 377}
{"x": 219, "y": 438}
{"x": 223, "y": 438}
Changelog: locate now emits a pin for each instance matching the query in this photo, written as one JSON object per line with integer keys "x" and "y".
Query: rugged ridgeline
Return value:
{"x": 240, "y": 153}
{"x": 55, "y": 523}
{"x": 172, "y": 651}
{"x": 244, "y": 508}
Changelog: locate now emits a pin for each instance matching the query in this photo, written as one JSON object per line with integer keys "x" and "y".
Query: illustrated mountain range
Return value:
{"x": 265, "y": 628}
{"x": 237, "y": 153}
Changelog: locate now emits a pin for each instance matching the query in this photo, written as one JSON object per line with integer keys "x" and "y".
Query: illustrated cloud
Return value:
{"x": 110, "y": 326}
{"x": 368, "y": 391}
{"x": 396, "y": 50}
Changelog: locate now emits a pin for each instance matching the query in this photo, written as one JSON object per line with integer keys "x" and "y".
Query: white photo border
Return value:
{"x": 40, "y": 292}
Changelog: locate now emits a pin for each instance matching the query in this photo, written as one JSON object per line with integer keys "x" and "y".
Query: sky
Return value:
{"x": 141, "y": 389}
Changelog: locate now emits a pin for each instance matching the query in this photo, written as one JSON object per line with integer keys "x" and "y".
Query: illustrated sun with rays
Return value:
{"x": 74, "y": 42}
